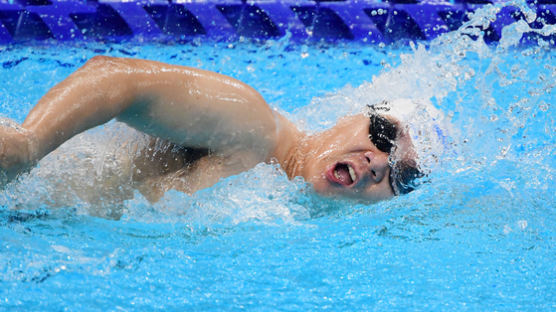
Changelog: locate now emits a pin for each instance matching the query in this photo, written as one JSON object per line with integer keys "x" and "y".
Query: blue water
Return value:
{"x": 479, "y": 234}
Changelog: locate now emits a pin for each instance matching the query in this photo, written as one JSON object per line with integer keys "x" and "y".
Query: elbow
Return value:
{"x": 103, "y": 68}
{"x": 108, "y": 77}
{"x": 99, "y": 62}
{"x": 115, "y": 71}
{"x": 100, "y": 59}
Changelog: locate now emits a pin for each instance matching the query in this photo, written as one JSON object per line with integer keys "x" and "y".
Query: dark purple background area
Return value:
{"x": 158, "y": 20}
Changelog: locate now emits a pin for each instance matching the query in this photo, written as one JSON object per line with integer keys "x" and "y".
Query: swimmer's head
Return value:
{"x": 366, "y": 156}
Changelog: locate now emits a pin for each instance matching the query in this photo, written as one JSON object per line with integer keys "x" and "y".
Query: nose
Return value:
{"x": 377, "y": 165}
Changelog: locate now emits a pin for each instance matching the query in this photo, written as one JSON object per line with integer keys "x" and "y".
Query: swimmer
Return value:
{"x": 216, "y": 127}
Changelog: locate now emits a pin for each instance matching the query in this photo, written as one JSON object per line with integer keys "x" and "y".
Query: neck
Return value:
{"x": 290, "y": 148}
{"x": 293, "y": 164}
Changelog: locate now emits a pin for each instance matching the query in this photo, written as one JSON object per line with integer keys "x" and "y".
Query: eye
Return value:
{"x": 392, "y": 182}
{"x": 382, "y": 133}
{"x": 403, "y": 176}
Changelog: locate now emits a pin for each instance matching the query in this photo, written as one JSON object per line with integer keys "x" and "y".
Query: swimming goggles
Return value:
{"x": 383, "y": 134}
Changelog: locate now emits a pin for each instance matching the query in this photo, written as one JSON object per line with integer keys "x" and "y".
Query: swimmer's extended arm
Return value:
{"x": 187, "y": 106}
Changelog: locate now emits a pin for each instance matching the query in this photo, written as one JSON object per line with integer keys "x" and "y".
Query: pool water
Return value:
{"x": 478, "y": 234}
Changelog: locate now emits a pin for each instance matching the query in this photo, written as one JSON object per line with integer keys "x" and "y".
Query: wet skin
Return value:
{"x": 199, "y": 110}
{"x": 317, "y": 159}
{"x": 348, "y": 144}
{"x": 346, "y": 147}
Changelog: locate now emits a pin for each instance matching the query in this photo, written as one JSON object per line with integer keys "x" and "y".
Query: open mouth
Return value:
{"x": 343, "y": 174}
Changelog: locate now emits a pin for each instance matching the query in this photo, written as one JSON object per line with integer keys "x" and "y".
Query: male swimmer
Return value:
{"x": 217, "y": 126}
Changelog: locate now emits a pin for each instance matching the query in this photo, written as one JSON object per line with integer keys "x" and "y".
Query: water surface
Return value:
{"x": 479, "y": 234}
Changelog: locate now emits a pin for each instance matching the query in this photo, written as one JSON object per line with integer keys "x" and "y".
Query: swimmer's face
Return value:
{"x": 344, "y": 161}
